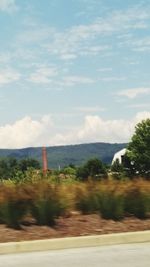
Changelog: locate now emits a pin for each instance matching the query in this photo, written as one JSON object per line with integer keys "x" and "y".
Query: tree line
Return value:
{"x": 9, "y": 167}
{"x": 136, "y": 161}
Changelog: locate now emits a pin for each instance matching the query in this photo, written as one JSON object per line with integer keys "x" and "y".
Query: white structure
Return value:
{"x": 119, "y": 155}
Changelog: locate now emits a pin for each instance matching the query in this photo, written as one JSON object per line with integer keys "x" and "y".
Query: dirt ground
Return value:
{"x": 73, "y": 225}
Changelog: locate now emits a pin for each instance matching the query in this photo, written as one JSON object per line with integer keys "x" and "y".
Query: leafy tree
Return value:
{"x": 24, "y": 164}
{"x": 9, "y": 167}
{"x": 138, "y": 151}
{"x": 69, "y": 171}
{"x": 92, "y": 168}
{"x": 4, "y": 169}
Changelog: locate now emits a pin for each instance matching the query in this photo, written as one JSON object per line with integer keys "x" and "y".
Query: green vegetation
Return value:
{"x": 11, "y": 168}
{"x": 112, "y": 192}
{"x": 117, "y": 167}
{"x": 45, "y": 200}
{"x": 111, "y": 205}
{"x": 137, "y": 203}
{"x": 46, "y": 205}
{"x": 93, "y": 168}
{"x": 14, "y": 203}
{"x": 114, "y": 199}
{"x": 86, "y": 199}
{"x": 136, "y": 161}
{"x": 138, "y": 150}
{"x": 65, "y": 155}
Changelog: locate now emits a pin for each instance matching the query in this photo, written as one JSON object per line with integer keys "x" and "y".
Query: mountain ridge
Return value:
{"x": 60, "y": 156}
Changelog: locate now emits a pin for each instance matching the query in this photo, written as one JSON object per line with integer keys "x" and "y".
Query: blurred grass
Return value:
{"x": 47, "y": 198}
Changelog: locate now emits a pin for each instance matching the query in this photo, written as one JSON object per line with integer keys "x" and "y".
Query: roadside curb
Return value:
{"x": 75, "y": 242}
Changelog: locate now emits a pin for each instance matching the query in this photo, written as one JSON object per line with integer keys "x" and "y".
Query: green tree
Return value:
{"x": 69, "y": 171}
{"x": 24, "y": 164}
{"x": 9, "y": 167}
{"x": 138, "y": 150}
{"x": 4, "y": 170}
{"x": 92, "y": 168}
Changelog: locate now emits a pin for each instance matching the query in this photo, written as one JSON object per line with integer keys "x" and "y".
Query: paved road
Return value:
{"x": 133, "y": 255}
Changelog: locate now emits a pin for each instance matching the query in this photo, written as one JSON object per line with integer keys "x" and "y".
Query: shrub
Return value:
{"x": 111, "y": 205}
{"x": 47, "y": 205}
{"x": 13, "y": 212}
{"x": 13, "y": 207}
{"x": 85, "y": 197}
{"x": 92, "y": 168}
{"x": 137, "y": 203}
{"x": 87, "y": 203}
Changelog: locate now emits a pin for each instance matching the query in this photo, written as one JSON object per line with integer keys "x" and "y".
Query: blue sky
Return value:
{"x": 73, "y": 71}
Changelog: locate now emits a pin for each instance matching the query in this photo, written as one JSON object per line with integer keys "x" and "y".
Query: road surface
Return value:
{"x": 133, "y": 255}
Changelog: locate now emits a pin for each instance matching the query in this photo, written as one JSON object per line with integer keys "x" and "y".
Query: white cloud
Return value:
{"x": 141, "y": 45}
{"x": 8, "y": 5}
{"x": 77, "y": 41}
{"x": 70, "y": 81}
{"x": 43, "y": 75}
{"x": 138, "y": 44}
{"x": 134, "y": 92}
{"x": 104, "y": 69}
{"x": 35, "y": 33}
{"x": 94, "y": 50}
{"x": 108, "y": 131}
{"x": 68, "y": 56}
{"x": 8, "y": 76}
{"x": 49, "y": 75}
{"x": 29, "y": 132}
{"x": 89, "y": 109}
{"x": 73, "y": 43}
{"x": 95, "y": 129}
{"x": 141, "y": 116}
{"x": 112, "y": 79}
{"x": 73, "y": 80}
{"x": 84, "y": 40}
{"x": 5, "y": 57}
{"x": 138, "y": 105}
{"x": 134, "y": 62}
{"x": 25, "y": 132}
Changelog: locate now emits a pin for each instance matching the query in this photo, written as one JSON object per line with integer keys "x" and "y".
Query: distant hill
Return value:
{"x": 65, "y": 155}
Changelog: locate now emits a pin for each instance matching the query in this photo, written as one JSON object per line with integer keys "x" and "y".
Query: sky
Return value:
{"x": 73, "y": 71}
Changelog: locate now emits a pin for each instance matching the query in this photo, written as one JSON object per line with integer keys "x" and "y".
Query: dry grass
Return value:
{"x": 46, "y": 201}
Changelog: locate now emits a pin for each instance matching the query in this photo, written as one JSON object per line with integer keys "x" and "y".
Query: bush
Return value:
{"x": 47, "y": 205}
{"x": 46, "y": 201}
{"x": 13, "y": 212}
{"x": 93, "y": 168}
{"x": 111, "y": 205}
{"x": 69, "y": 171}
{"x": 87, "y": 203}
{"x": 13, "y": 207}
{"x": 137, "y": 203}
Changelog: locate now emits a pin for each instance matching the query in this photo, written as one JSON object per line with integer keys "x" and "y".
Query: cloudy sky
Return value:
{"x": 73, "y": 71}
